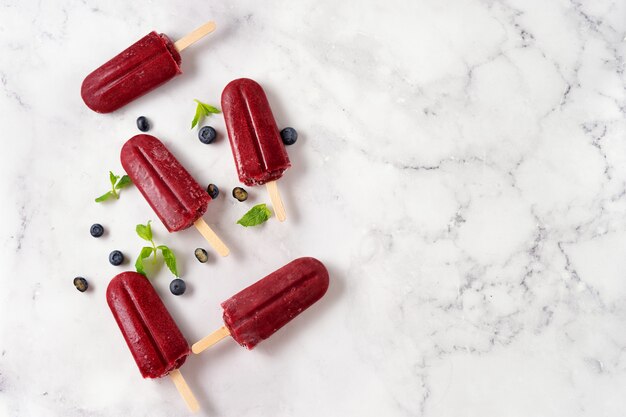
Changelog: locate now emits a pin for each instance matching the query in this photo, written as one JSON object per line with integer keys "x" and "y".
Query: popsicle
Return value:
{"x": 259, "y": 152}
{"x": 255, "y": 313}
{"x": 142, "y": 67}
{"x": 154, "y": 340}
{"x": 176, "y": 198}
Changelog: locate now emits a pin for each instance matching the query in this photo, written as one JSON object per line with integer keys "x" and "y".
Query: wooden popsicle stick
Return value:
{"x": 277, "y": 202}
{"x": 211, "y": 237}
{"x": 185, "y": 391}
{"x": 210, "y": 340}
{"x": 194, "y": 36}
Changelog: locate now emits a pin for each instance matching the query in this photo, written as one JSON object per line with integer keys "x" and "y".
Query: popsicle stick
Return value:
{"x": 277, "y": 202}
{"x": 194, "y": 36}
{"x": 210, "y": 340}
{"x": 211, "y": 237}
{"x": 185, "y": 391}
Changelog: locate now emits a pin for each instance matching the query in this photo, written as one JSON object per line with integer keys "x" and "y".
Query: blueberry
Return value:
{"x": 116, "y": 258}
{"x": 240, "y": 194}
{"x": 207, "y": 135}
{"x": 201, "y": 255}
{"x": 96, "y": 230}
{"x": 289, "y": 135}
{"x": 213, "y": 191}
{"x": 81, "y": 284}
{"x": 178, "y": 286}
{"x": 143, "y": 124}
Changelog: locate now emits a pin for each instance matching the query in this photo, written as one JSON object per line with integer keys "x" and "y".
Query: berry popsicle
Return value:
{"x": 176, "y": 198}
{"x": 259, "y": 152}
{"x": 154, "y": 340}
{"x": 255, "y": 313}
{"x": 142, "y": 67}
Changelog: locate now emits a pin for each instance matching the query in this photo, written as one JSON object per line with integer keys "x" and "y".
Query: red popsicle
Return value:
{"x": 259, "y": 152}
{"x": 142, "y": 67}
{"x": 154, "y": 340}
{"x": 176, "y": 198}
{"x": 255, "y": 313}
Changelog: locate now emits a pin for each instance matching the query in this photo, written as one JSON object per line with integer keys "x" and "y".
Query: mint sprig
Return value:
{"x": 144, "y": 231}
{"x": 117, "y": 183}
{"x": 203, "y": 110}
{"x": 256, "y": 215}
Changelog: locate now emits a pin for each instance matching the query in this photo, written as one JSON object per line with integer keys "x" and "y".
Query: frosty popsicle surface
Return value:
{"x": 143, "y": 66}
{"x": 255, "y": 313}
{"x": 154, "y": 340}
{"x": 176, "y": 198}
{"x": 258, "y": 150}
{"x": 258, "y": 311}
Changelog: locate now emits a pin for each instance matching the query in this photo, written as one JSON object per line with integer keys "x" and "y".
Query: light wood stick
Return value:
{"x": 185, "y": 391}
{"x": 210, "y": 340}
{"x": 277, "y": 202}
{"x": 211, "y": 237}
{"x": 194, "y": 36}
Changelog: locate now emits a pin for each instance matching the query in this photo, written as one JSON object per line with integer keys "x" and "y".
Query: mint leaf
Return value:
{"x": 125, "y": 181}
{"x": 104, "y": 197}
{"x": 113, "y": 178}
{"x": 255, "y": 216}
{"x": 208, "y": 109}
{"x": 146, "y": 251}
{"x": 144, "y": 231}
{"x": 203, "y": 110}
{"x": 197, "y": 117}
{"x": 170, "y": 258}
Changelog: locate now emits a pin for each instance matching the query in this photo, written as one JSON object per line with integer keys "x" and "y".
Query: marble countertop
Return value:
{"x": 461, "y": 171}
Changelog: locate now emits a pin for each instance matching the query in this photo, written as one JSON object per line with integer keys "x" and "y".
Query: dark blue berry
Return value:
{"x": 201, "y": 255}
{"x": 96, "y": 230}
{"x": 289, "y": 135}
{"x": 116, "y": 258}
{"x": 207, "y": 135}
{"x": 143, "y": 124}
{"x": 81, "y": 284}
{"x": 178, "y": 286}
{"x": 240, "y": 194}
{"x": 213, "y": 191}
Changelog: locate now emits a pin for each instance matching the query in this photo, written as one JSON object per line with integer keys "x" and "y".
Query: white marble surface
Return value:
{"x": 461, "y": 170}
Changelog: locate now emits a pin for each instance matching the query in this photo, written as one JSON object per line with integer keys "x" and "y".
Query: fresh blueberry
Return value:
{"x": 213, "y": 191}
{"x": 96, "y": 230}
{"x": 240, "y": 194}
{"x": 289, "y": 135}
{"x": 178, "y": 286}
{"x": 201, "y": 255}
{"x": 116, "y": 258}
{"x": 143, "y": 124}
{"x": 81, "y": 284}
{"x": 207, "y": 135}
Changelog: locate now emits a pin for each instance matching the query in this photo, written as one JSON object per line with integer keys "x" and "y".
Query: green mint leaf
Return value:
{"x": 197, "y": 117}
{"x": 255, "y": 216}
{"x": 169, "y": 257}
{"x": 146, "y": 251}
{"x": 208, "y": 109}
{"x": 125, "y": 181}
{"x": 144, "y": 231}
{"x": 113, "y": 178}
{"x": 203, "y": 110}
{"x": 104, "y": 197}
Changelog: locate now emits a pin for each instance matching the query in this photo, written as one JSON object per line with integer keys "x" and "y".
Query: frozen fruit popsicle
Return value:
{"x": 154, "y": 340}
{"x": 176, "y": 198}
{"x": 259, "y": 152}
{"x": 255, "y": 313}
{"x": 143, "y": 66}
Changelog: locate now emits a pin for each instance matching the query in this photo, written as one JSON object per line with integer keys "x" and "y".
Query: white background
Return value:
{"x": 461, "y": 170}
